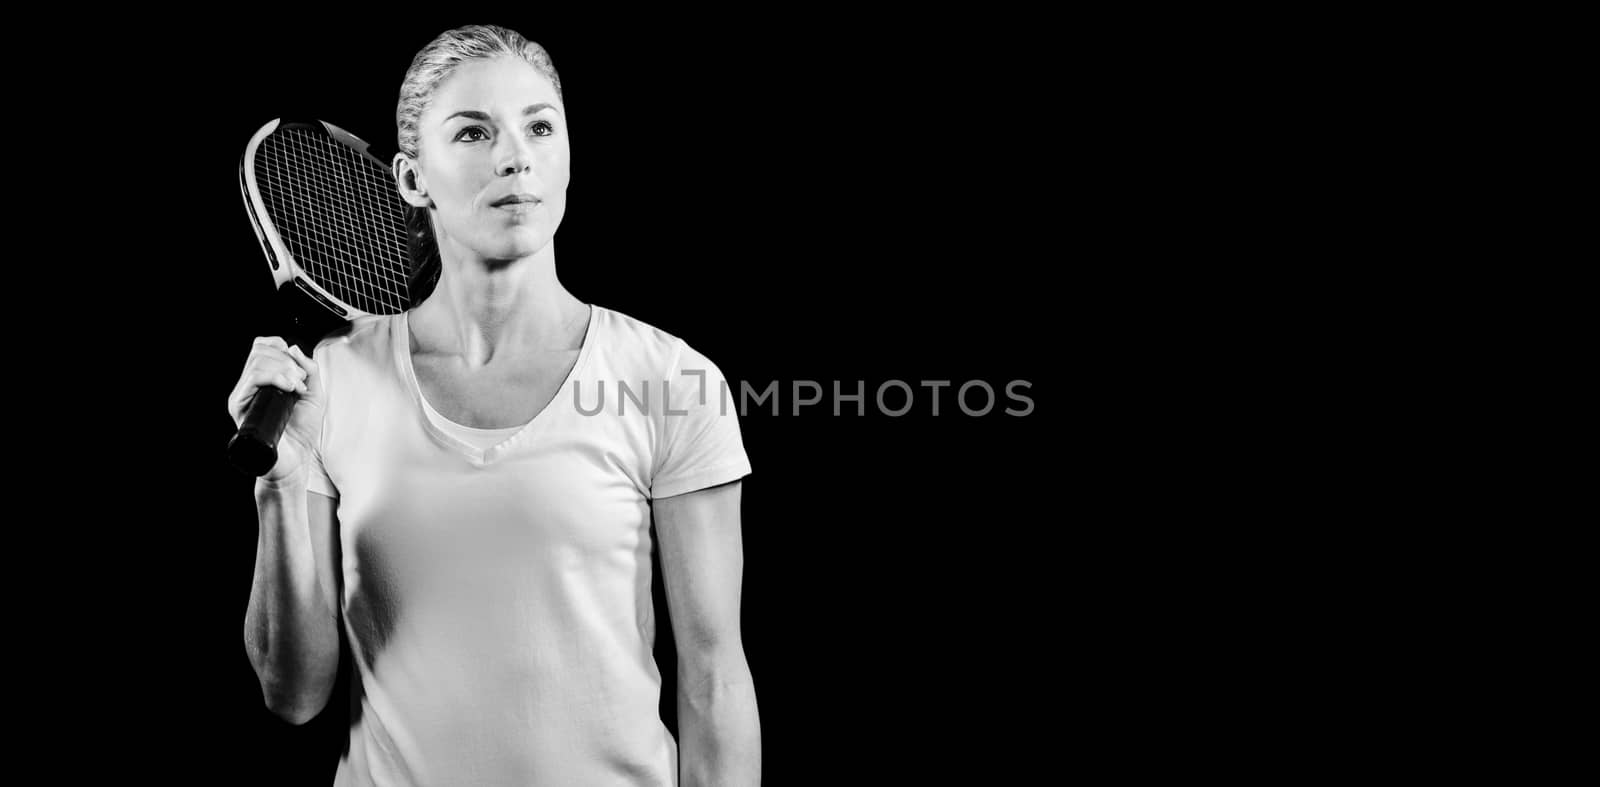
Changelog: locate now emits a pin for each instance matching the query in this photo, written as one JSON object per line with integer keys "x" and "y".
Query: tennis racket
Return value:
{"x": 333, "y": 229}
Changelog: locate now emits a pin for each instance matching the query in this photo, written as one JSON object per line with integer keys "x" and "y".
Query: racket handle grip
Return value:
{"x": 254, "y": 449}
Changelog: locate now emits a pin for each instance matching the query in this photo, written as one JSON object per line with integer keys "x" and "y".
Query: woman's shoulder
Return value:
{"x": 634, "y": 340}
{"x": 621, "y": 322}
{"x": 369, "y": 336}
{"x": 646, "y": 351}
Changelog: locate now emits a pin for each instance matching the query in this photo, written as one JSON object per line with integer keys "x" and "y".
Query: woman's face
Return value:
{"x": 493, "y": 158}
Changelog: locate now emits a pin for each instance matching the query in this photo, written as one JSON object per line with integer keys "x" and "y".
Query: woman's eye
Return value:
{"x": 471, "y": 134}
{"x": 542, "y": 128}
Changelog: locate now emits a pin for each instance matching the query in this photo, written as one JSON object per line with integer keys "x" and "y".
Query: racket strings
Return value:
{"x": 338, "y": 213}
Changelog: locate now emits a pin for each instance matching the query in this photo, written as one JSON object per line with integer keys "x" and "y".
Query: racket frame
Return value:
{"x": 285, "y": 268}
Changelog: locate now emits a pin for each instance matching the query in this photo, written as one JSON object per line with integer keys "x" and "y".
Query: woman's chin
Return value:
{"x": 516, "y": 244}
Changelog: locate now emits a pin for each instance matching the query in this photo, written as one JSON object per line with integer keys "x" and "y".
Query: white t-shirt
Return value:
{"x": 479, "y": 438}
{"x": 497, "y": 597}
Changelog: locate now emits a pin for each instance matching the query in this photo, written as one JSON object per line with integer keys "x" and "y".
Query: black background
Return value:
{"x": 802, "y": 199}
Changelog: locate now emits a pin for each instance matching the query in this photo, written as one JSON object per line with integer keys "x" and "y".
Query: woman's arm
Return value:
{"x": 702, "y": 562}
{"x": 291, "y": 628}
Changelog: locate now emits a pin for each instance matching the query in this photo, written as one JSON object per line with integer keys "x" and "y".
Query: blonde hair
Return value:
{"x": 441, "y": 56}
{"x": 430, "y": 67}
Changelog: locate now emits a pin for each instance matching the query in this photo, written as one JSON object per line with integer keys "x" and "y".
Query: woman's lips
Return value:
{"x": 514, "y": 200}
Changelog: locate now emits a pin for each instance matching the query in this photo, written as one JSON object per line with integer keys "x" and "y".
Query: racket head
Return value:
{"x": 328, "y": 217}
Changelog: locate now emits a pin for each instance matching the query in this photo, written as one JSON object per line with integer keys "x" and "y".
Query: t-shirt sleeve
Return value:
{"x": 701, "y": 445}
{"x": 317, "y": 479}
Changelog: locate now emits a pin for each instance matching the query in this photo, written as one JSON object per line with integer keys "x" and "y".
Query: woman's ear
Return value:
{"x": 408, "y": 179}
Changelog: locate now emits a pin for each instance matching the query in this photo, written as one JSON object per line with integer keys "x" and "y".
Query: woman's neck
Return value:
{"x": 483, "y": 308}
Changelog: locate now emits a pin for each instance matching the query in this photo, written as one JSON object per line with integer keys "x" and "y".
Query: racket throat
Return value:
{"x": 311, "y": 316}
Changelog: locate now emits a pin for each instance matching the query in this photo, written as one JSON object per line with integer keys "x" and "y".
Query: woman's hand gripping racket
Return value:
{"x": 333, "y": 229}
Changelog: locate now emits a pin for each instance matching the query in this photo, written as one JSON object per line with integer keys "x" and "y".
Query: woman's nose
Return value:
{"x": 515, "y": 156}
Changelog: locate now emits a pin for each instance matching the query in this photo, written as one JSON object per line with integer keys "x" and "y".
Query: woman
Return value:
{"x": 481, "y": 534}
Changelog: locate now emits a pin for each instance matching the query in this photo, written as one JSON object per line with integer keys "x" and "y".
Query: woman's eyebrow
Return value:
{"x": 473, "y": 114}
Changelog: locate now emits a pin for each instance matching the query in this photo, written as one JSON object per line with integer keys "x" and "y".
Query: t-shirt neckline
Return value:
{"x": 402, "y": 350}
